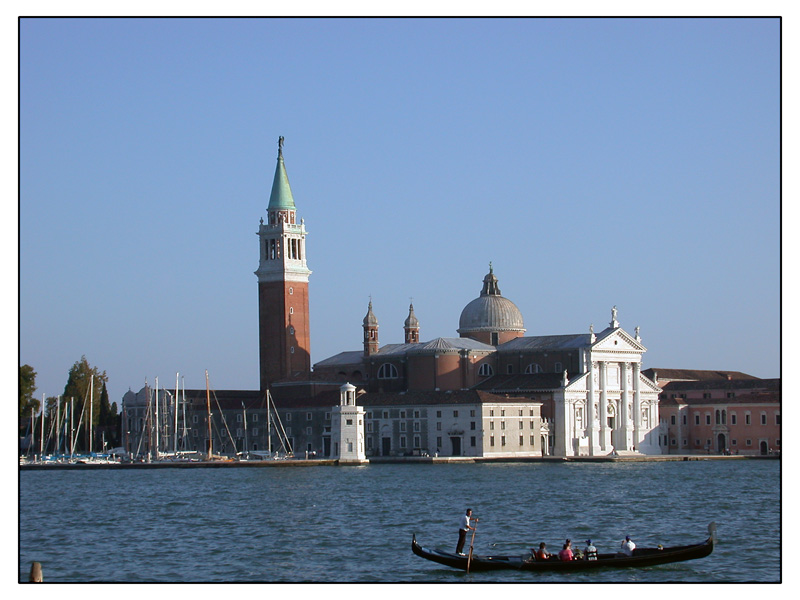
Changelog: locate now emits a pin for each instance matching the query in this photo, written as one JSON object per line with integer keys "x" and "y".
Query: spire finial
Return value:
{"x": 280, "y": 147}
{"x": 490, "y": 267}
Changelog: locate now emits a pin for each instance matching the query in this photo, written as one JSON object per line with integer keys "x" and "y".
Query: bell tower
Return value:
{"x": 283, "y": 332}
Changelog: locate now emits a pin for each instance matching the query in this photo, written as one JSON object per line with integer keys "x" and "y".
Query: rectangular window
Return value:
{"x": 777, "y": 418}
{"x": 327, "y": 416}
{"x": 502, "y": 440}
{"x": 238, "y": 433}
{"x": 386, "y": 414}
{"x": 402, "y": 414}
{"x": 348, "y": 421}
{"x": 531, "y": 425}
{"x": 255, "y": 432}
{"x": 255, "y": 418}
{"x": 402, "y": 441}
{"x": 402, "y": 425}
{"x": 438, "y": 414}
{"x": 733, "y": 418}
{"x": 502, "y": 424}
{"x": 502, "y": 412}
{"x": 530, "y": 413}
{"x": 194, "y": 418}
{"x": 491, "y": 424}
{"x": 491, "y": 412}
{"x": 308, "y": 416}
{"x": 416, "y": 426}
{"x": 747, "y": 419}
{"x": 369, "y": 427}
{"x": 684, "y": 419}
{"x": 288, "y": 431}
{"x": 672, "y": 420}
{"x": 438, "y": 443}
{"x": 238, "y": 418}
{"x": 533, "y": 440}
{"x": 522, "y": 440}
{"x": 472, "y": 441}
{"x": 748, "y": 442}
{"x": 438, "y": 426}
{"x": 733, "y": 442}
{"x": 697, "y": 419}
{"x": 708, "y": 419}
{"x": 472, "y": 425}
{"x": 522, "y": 424}
{"x": 491, "y": 440}
{"x": 455, "y": 413}
{"x": 309, "y": 431}
{"x": 288, "y": 417}
{"x": 763, "y": 418}
{"x": 416, "y": 442}
{"x": 472, "y": 413}
{"x": 416, "y": 414}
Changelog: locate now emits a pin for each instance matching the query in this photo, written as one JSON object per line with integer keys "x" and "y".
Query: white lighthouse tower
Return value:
{"x": 347, "y": 428}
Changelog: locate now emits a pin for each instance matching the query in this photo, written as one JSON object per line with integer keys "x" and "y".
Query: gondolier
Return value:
{"x": 463, "y": 527}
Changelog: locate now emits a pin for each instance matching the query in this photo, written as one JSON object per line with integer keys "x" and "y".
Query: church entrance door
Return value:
{"x": 721, "y": 445}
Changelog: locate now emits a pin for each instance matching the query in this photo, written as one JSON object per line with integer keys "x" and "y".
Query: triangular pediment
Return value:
{"x": 617, "y": 340}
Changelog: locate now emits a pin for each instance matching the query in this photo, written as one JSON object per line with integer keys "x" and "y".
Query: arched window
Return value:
{"x": 485, "y": 370}
{"x": 533, "y": 368}
{"x": 387, "y": 371}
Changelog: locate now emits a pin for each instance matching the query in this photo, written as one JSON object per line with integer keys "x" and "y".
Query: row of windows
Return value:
{"x": 747, "y": 442}
{"x": 389, "y": 371}
{"x": 721, "y": 418}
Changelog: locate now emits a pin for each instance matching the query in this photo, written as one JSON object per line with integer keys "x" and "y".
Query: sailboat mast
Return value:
{"x": 269, "y": 427}
{"x": 41, "y": 437}
{"x": 71, "y": 427}
{"x": 58, "y": 424}
{"x": 175, "y": 420}
{"x": 156, "y": 401}
{"x": 244, "y": 416}
{"x": 91, "y": 410}
{"x": 208, "y": 410}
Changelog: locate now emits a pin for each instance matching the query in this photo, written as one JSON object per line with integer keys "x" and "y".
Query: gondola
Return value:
{"x": 642, "y": 557}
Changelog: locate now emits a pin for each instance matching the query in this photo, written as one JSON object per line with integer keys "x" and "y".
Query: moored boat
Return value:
{"x": 642, "y": 557}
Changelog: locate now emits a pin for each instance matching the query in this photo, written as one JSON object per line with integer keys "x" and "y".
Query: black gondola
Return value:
{"x": 642, "y": 557}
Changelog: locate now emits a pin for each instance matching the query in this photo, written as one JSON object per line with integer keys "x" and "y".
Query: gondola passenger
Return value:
{"x": 542, "y": 553}
{"x": 566, "y": 551}
{"x": 591, "y": 552}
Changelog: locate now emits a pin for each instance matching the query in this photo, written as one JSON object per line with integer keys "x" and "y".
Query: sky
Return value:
{"x": 594, "y": 162}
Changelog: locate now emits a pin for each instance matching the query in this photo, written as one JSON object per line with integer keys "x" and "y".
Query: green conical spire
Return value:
{"x": 281, "y": 196}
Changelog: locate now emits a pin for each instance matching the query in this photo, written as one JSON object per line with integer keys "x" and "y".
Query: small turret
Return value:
{"x": 370, "y": 332}
{"x": 411, "y": 326}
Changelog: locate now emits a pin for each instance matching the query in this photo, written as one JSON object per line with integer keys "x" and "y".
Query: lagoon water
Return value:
{"x": 354, "y": 524}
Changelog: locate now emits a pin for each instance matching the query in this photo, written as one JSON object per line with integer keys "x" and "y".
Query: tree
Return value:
{"x": 78, "y": 382}
{"x": 27, "y": 385}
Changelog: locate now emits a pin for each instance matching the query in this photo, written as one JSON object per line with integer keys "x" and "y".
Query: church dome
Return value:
{"x": 490, "y": 311}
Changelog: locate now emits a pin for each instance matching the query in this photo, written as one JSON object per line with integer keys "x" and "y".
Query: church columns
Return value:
{"x": 623, "y": 439}
{"x": 591, "y": 418}
{"x": 637, "y": 406}
{"x": 605, "y": 432}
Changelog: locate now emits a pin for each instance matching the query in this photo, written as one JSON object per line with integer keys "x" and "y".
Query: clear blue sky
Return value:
{"x": 595, "y": 162}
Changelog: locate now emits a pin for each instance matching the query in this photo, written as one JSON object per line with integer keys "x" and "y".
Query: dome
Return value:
{"x": 411, "y": 321}
{"x": 490, "y": 311}
{"x": 370, "y": 320}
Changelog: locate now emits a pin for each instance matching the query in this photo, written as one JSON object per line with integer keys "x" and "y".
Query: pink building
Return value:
{"x": 716, "y": 412}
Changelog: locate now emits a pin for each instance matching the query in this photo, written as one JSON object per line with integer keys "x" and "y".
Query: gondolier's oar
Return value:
{"x": 471, "y": 543}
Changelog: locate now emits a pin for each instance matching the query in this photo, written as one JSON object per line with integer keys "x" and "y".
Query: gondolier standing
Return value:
{"x": 463, "y": 527}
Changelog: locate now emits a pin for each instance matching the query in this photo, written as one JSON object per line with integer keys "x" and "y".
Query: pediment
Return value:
{"x": 618, "y": 340}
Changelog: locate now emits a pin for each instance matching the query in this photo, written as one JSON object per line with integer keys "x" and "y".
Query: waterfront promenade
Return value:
{"x": 378, "y": 460}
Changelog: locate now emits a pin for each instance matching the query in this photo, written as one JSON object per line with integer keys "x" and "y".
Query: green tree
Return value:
{"x": 78, "y": 383}
{"x": 27, "y": 385}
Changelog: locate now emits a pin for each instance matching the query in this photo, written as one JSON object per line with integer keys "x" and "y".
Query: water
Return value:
{"x": 354, "y": 524}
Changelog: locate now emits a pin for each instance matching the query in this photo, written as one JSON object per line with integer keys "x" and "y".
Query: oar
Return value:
{"x": 471, "y": 543}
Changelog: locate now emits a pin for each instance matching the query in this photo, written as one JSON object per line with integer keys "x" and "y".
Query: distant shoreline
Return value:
{"x": 427, "y": 460}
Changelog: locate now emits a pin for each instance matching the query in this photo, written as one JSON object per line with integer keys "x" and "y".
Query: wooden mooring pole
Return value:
{"x": 36, "y": 573}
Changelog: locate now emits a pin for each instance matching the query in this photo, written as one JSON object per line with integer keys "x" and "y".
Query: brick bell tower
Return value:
{"x": 283, "y": 332}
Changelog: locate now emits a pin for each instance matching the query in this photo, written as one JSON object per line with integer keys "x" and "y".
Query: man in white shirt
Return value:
{"x": 463, "y": 527}
{"x": 628, "y": 546}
